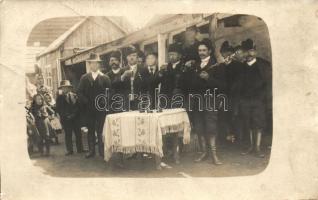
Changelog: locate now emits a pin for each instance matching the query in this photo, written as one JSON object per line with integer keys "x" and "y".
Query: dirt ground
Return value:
{"x": 76, "y": 165}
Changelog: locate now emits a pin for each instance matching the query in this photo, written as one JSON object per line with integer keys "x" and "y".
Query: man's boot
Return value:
{"x": 214, "y": 157}
{"x": 91, "y": 149}
{"x": 258, "y": 152}
{"x": 202, "y": 157}
{"x": 251, "y": 148}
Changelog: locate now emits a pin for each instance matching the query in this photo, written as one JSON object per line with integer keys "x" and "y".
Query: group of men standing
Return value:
{"x": 244, "y": 78}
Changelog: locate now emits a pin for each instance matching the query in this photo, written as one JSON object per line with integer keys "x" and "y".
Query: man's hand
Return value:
{"x": 163, "y": 67}
{"x": 126, "y": 74}
{"x": 189, "y": 64}
{"x": 204, "y": 75}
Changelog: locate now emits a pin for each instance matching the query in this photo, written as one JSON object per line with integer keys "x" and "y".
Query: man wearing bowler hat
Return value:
{"x": 173, "y": 85}
{"x": 228, "y": 125}
{"x": 91, "y": 85}
{"x": 132, "y": 78}
{"x": 254, "y": 88}
{"x": 68, "y": 108}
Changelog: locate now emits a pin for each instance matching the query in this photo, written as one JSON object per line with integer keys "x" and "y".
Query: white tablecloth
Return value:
{"x": 131, "y": 132}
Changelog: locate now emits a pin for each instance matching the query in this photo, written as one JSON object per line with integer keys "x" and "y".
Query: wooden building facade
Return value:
{"x": 85, "y": 34}
{"x": 158, "y": 34}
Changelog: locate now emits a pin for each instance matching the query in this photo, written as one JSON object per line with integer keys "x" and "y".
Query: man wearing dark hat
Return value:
{"x": 228, "y": 119}
{"x": 132, "y": 79}
{"x": 190, "y": 44}
{"x": 140, "y": 58}
{"x": 91, "y": 85}
{"x": 172, "y": 83}
{"x": 254, "y": 87}
{"x": 68, "y": 108}
{"x": 205, "y": 76}
{"x": 115, "y": 77}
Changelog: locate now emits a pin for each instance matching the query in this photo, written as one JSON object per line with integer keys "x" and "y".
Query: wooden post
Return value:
{"x": 162, "y": 38}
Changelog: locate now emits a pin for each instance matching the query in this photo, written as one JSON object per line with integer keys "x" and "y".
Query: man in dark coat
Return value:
{"x": 117, "y": 90}
{"x": 91, "y": 86}
{"x": 172, "y": 85}
{"x": 150, "y": 74}
{"x": 133, "y": 82}
{"x": 68, "y": 108}
{"x": 254, "y": 87}
{"x": 228, "y": 118}
{"x": 172, "y": 75}
{"x": 206, "y": 76}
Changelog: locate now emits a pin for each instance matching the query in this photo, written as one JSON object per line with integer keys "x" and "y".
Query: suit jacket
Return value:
{"x": 89, "y": 89}
{"x": 216, "y": 77}
{"x": 151, "y": 82}
{"x": 67, "y": 110}
{"x": 116, "y": 83}
{"x": 264, "y": 93}
{"x": 173, "y": 80}
{"x": 138, "y": 82}
{"x": 200, "y": 86}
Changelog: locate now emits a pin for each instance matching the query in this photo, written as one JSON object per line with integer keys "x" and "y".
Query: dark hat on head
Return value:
{"x": 175, "y": 48}
{"x": 248, "y": 45}
{"x": 206, "y": 42}
{"x": 93, "y": 57}
{"x": 131, "y": 50}
{"x": 238, "y": 47}
{"x": 141, "y": 54}
{"x": 65, "y": 83}
{"x": 115, "y": 54}
{"x": 152, "y": 53}
{"x": 226, "y": 47}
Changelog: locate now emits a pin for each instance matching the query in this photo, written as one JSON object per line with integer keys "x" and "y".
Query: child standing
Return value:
{"x": 41, "y": 113}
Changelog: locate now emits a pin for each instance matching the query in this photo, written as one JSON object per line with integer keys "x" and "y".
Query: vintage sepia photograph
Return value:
{"x": 178, "y": 95}
{"x": 158, "y": 100}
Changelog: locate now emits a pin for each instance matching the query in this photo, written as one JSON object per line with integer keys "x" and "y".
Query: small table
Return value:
{"x": 131, "y": 132}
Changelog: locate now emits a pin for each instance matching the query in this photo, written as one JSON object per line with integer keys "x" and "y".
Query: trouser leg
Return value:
{"x": 68, "y": 137}
{"x": 91, "y": 137}
{"x": 258, "y": 140}
{"x": 214, "y": 156}
{"x": 200, "y": 129}
{"x": 99, "y": 130}
{"x": 78, "y": 137}
{"x": 175, "y": 145}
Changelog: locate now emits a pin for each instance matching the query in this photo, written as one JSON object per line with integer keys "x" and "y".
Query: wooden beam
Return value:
{"x": 137, "y": 37}
{"x": 162, "y": 38}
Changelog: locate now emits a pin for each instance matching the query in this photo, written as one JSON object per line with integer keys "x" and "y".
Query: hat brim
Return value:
{"x": 65, "y": 86}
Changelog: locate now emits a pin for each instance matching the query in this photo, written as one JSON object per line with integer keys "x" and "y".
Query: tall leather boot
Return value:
{"x": 251, "y": 147}
{"x": 215, "y": 159}
{"x": 258, "y": 140}
{"x": 213, "y": 155}
{"x": 205, "y": 155}
{"x": 91, "y": 149}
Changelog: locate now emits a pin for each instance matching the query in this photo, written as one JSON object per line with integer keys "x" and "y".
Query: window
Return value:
{"x": 48, "y": 75}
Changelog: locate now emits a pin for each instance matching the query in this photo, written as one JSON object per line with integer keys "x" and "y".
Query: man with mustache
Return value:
{"x": 132, "y": 79}
{"x": 228, "y": 125}
{"x": 115, "y": 77}
{"x": 206, "y": 75}
{"x": 254, "y": 88}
